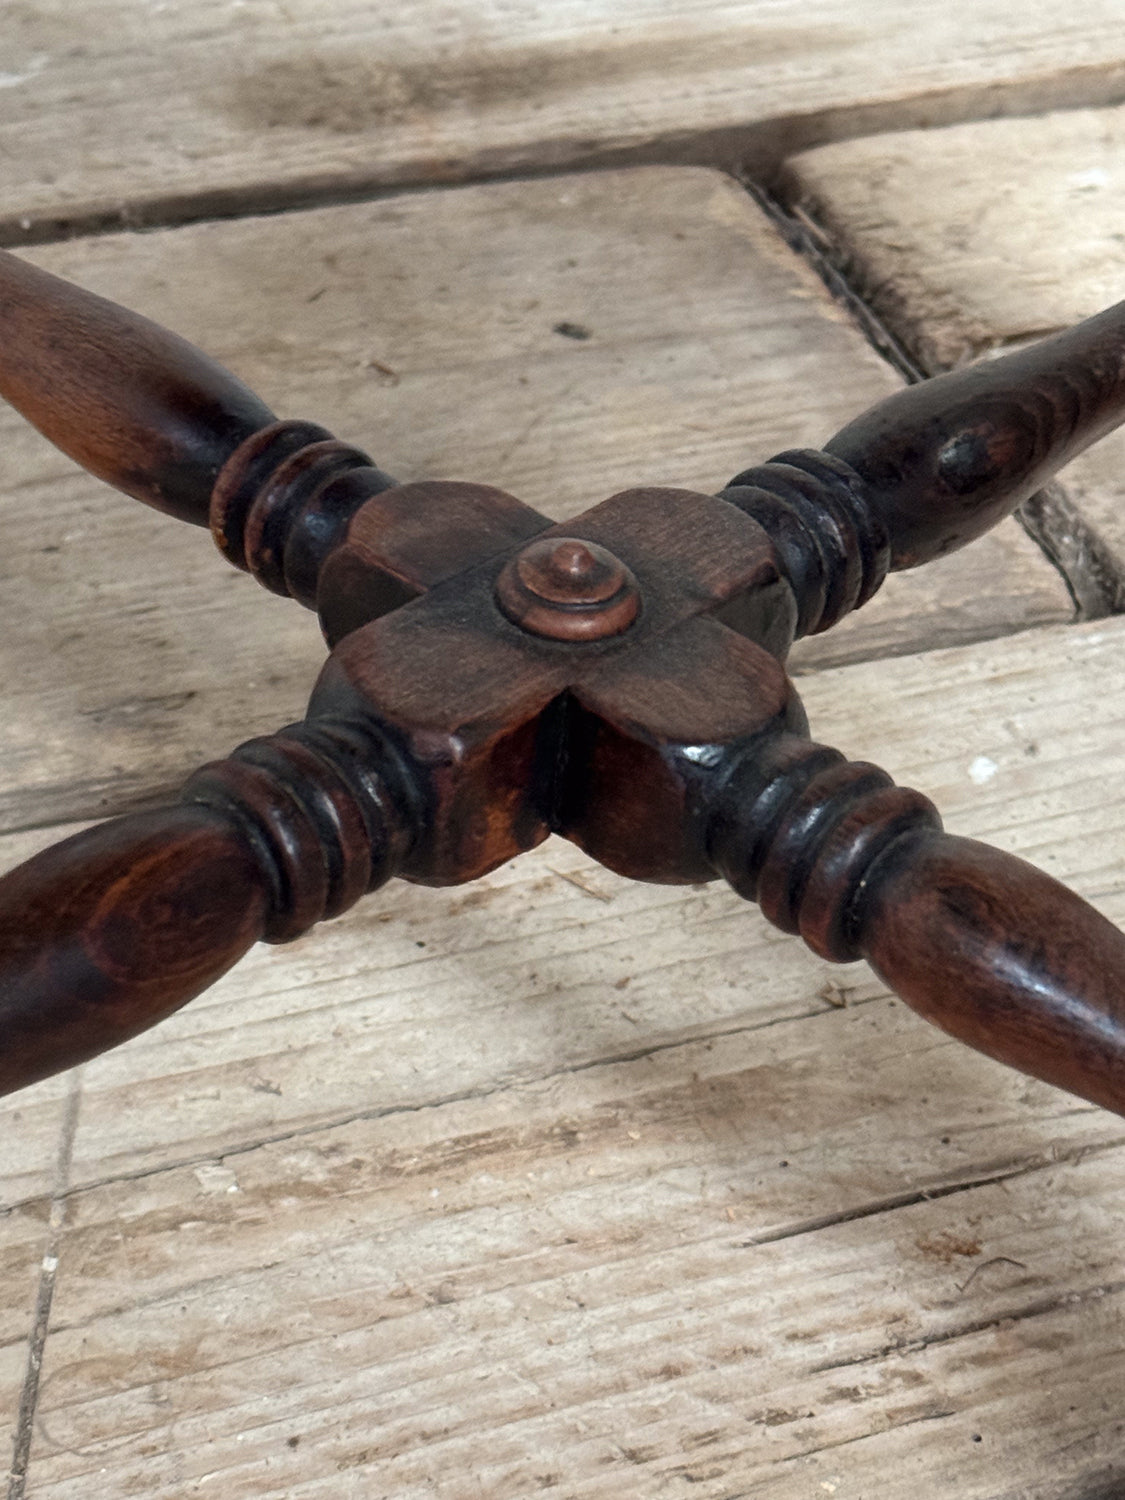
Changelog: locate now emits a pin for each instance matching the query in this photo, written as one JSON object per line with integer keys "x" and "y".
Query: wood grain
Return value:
{"x": 262, "y": 103}
{"x": 981, "y": 259}
{"x": 984, "y": 260}
{"x": 1017, "y": 762}
{"x": 425, "y": 330}
{"x": 605, "y": 1186}
{"x": 425, "y": 326}
{"x": 459, "y": 1042}
{"x": 133, "y": 404}
{"x": 608, "y": 1285}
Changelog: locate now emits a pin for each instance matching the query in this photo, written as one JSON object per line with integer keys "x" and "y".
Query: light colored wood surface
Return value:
{"x": 603, "y": 1190}
{"x": 424, "y": 329}
{"x": 1017, "y": 234}
{"x": 134, "y": 109}
{"x": 555, "y": 1184}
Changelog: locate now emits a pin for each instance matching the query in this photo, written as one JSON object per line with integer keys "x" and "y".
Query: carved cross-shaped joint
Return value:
{"x": 617, "y": 679}
{"x": 564, "y": 678}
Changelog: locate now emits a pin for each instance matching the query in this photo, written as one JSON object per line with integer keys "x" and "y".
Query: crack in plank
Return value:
{"x": 1088, "y": 568}
{"x": 1039, "y": 1309}
{"x": 48, "y": 1274}
{"x": 443, "y": 1101}
{"x": 1018, "y": 1167}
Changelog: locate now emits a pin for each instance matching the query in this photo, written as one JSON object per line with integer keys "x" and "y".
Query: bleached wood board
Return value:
{"x": 118, "y": 110}
{"x": 978, "y": 235}
{"x": 517, "y": 1219}
{"x": 580, "y": 1306}
{"x": 567, "y": 965}
{"x": 130, "y": 653}
{"x": 424, "y": 329}
{"x": 981, "y": 236}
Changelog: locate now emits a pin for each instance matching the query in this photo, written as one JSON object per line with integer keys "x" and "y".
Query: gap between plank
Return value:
{"x": 1088, "y": 568}
{"x": 48, "y": 1273}
{"x": 757, "y": 149}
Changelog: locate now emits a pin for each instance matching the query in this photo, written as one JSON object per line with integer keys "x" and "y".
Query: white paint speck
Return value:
{"x": 213, "y": 1177}
{"x": 33, "y": 69}
{"x": 1089, "y": 179}
{"x": 982, "y": 769}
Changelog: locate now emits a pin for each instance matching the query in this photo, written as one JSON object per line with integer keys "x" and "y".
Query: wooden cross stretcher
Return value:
{"x": 617, "y": 679}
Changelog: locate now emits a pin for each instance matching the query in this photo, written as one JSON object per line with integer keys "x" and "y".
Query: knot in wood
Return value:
{"x": 568, "y": 590}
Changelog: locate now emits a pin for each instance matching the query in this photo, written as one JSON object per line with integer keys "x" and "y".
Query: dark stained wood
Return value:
{"x": 110, "y": 931}
{"x": 831, "y": 541}
{"x": 495, "y": 718}
{"x": 282, "y": 503}
{"x": 1004, "y": 958}
{"x": 568, "y": 590}
{"x": 408, "y": 539}
{"x": 981, "y": 943}
{"x": 935, "y": 466}
{"x": 650, "y": 726}
{"x": 944, "y": 460}
{"x": 617, "y": 679}
{"x": 136, "y": 405}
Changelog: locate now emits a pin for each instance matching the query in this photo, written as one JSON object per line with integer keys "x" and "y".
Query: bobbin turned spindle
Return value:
{"x": 493, "y": 678}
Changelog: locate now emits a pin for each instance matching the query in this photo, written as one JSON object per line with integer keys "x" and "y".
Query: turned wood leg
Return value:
{"x": 112, "y": 930}
{"x": 983, "y": 944}
{"x": 494, "y": 678}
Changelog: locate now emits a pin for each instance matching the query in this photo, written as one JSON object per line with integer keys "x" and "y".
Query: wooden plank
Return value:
{"x": 426, "y": 329}
{"x": 117, "y": 112}
{"x": 124, "y": 682}
{"x": 611, "y": 1204}
{"x": 707, "y": 352}
{"x": 38, "y": 1132}
{"x": 996, "y": 586}
{"x": 601, "y": 1287}
{"x": 564, "y": 965}
{"x": 981, "y": 236}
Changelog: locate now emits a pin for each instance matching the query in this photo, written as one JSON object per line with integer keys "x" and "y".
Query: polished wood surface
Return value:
{"x": 947, "y": 459}
{"x": 649, "y": 719}
{"x": 981, "y": 943}
{"x": 706, "y": 1205}
{"x": 133, "y": 403}
{"x": 112, "y": 930}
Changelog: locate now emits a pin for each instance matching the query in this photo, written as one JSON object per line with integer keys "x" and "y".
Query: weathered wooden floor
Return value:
{"x": 557, "y": 1184}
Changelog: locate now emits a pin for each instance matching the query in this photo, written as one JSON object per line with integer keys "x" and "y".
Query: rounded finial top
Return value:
{"x": 568, "y": 590}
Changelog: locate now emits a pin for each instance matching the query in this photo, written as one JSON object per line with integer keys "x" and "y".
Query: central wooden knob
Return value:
{"x": 568, "y": 590}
